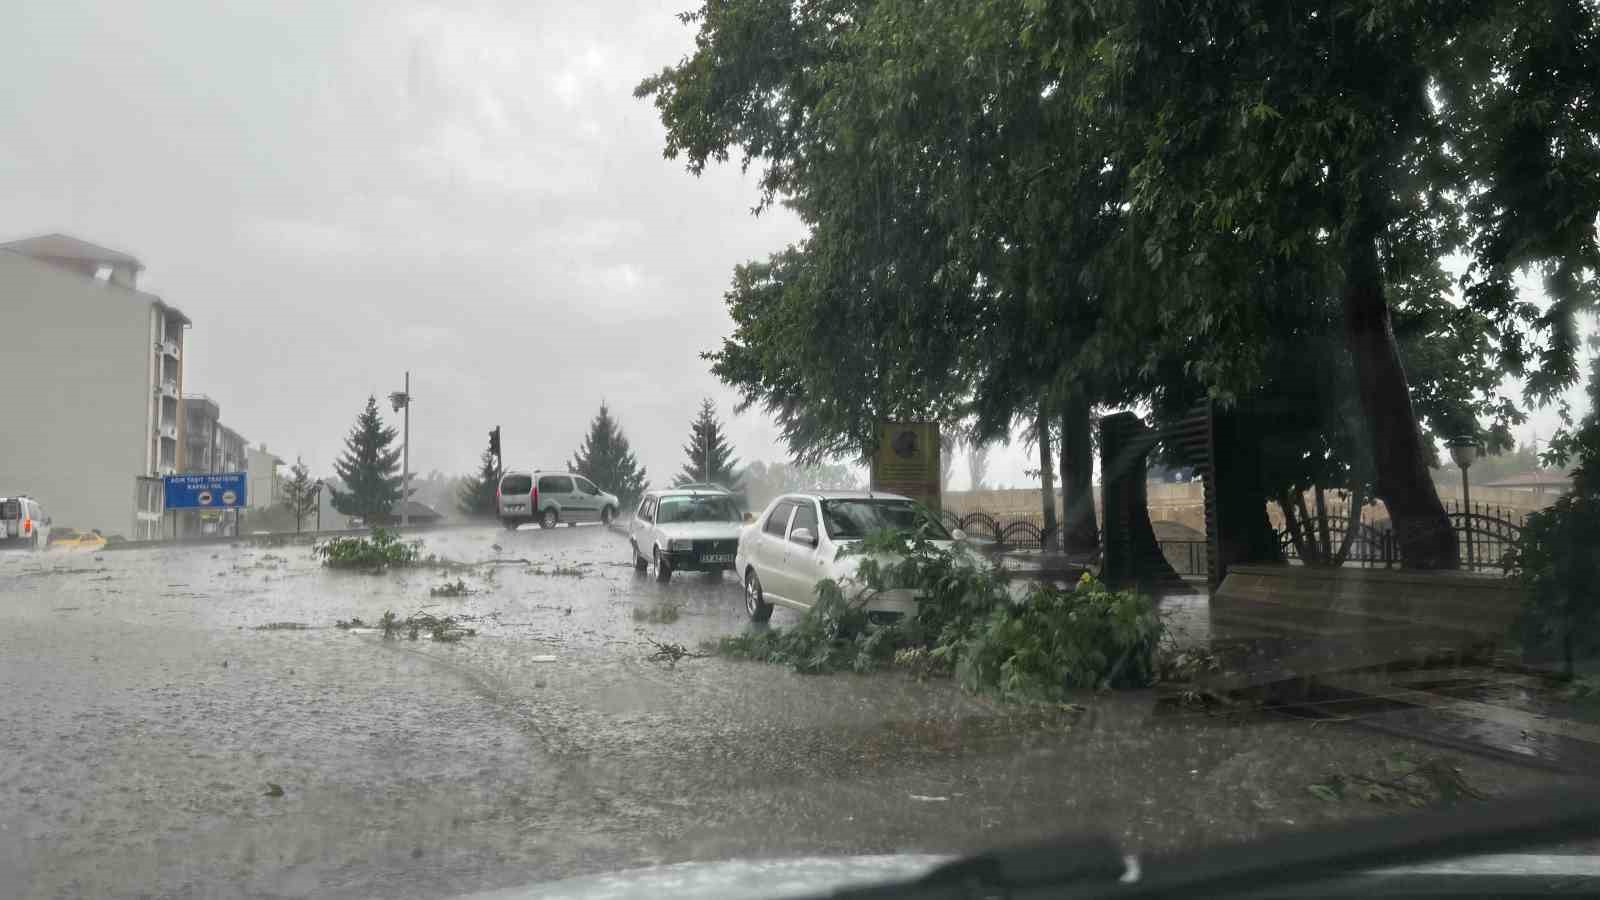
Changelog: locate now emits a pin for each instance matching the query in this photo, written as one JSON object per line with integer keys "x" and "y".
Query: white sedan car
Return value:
{"x": 685, "y": 530}
{"x": 795, "y": 543}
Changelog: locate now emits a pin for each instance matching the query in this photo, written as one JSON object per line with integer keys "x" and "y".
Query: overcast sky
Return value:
{"x": 338, "y": 192}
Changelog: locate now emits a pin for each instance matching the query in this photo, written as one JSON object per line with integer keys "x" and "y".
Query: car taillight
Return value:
{"x": 27, "y": 525}
{"x": 533, "y": 497}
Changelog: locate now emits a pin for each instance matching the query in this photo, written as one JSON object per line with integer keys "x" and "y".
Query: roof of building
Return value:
{"x": 62, "y": 246}
{"x": 415, "y": 510}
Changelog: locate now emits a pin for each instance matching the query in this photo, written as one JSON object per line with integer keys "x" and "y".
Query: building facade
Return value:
{"x": 265, "y": 484}
{"x": 93, "y": 418}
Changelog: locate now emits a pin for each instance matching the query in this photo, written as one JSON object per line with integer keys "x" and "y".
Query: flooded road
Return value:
{"x": 188, "y": 721}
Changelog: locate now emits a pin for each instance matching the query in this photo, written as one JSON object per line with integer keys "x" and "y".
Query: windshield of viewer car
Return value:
{"x": 696, "y": 509}
{"x": 850, "y": 520}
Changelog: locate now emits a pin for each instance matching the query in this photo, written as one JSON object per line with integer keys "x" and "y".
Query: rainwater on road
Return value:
{"x": 189, "y": 721}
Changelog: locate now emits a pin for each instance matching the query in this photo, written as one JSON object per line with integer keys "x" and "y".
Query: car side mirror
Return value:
{"x": 803, "y": 536}
{"x": 958, "y": 534}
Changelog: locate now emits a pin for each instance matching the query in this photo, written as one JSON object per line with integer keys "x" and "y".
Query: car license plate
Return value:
{"x": 717, "y": 558}
{"x": 514, "y": 507}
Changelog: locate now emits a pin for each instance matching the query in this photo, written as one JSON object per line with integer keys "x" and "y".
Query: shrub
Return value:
{"x": 1056, "y": 640}
{"x": 1558, "y": 562}
{"x": 382, "y": 549}
{"x": 1053, "y": 641}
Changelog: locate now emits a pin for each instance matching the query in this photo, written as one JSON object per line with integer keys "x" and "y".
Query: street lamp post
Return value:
{"x": 319, "y": 504}
{"x": 402, "y": 400}
{"x": 1463, "y": 450}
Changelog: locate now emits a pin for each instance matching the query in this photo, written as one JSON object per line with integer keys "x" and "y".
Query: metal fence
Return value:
{"x": 1485, "y": 534}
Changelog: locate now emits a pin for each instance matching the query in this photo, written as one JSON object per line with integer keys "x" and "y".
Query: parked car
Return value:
{"x": 551, "y": 498}
{"x": 795, "y": 543}
{"x": 685, "y": 530}
{"x": 73, "y": 539}
{"x": 23, "y": 523}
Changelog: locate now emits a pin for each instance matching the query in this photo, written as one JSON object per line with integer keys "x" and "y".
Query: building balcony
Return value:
{"x": 168, "y": 431}
{"x": 168, "y": 347}
{"x": 168, "y": 388}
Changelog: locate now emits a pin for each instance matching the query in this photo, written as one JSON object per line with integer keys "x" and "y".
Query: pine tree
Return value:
{"x": 300, "y": 493}
{"x": 606, "y": 460}
{"x": 369, "y": 469}
{"x": 708, "y": 445}
{"x": 476, "y": 496}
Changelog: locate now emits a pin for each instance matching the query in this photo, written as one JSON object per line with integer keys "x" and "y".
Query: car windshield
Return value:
{"x": 697, "y": 509}
{"x": 444, "y": 444}
{"x": 848, "y": 520}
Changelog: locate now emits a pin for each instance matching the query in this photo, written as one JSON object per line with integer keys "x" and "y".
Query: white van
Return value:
{"x": 23, "y": 523}
{"x": 551, "y": 498}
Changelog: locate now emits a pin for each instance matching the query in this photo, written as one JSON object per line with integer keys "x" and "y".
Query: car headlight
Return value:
{"x": 680, "y": 545}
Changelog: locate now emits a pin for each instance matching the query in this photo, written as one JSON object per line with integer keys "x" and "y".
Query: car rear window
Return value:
{"x": 10, "y": 509}
{"x": 854, "y": 519}
{"x": 697, "y": 509}
{"x": 555, "y": 484}
{"x": 516, "y": 484}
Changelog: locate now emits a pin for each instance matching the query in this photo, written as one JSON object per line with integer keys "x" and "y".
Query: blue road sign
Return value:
{"x": 215, "y": 490}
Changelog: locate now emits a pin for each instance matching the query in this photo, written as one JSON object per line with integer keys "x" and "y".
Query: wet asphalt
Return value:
{"x": 188, "y": 721}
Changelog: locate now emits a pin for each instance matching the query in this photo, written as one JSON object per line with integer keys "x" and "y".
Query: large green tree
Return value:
{"x": 709, "y": 455}
{"x": 476, "y": 495}
{"x": 606, "y": 459}
{"x": 369, "y": 468}
{"x": 1114, "y": 201}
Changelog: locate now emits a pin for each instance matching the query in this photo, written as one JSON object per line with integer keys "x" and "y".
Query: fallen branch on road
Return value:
{"x": 671, "y": 653}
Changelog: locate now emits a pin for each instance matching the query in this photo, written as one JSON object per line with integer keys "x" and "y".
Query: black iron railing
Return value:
{"x": 1485, "y": 535}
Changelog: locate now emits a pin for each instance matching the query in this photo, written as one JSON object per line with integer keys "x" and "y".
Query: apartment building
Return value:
{"x": 93, "y": 418}
{"x": 266, "y": 484}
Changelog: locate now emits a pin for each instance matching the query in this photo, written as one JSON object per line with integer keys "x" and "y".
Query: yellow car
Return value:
{"x": 72, "y": 539}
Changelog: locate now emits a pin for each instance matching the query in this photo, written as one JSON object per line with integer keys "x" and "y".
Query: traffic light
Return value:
{"x": 494, "y": 441}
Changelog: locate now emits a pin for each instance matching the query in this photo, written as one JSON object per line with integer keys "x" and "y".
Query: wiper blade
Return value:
{"x": 1091, "y": 860}
{"x": 1277, "y": 866}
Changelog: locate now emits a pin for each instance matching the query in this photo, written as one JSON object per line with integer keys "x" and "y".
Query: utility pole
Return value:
{"x": 401, "y": 401}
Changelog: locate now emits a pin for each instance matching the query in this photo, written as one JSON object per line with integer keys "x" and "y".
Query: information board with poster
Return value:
{"x": 907, "y": 461}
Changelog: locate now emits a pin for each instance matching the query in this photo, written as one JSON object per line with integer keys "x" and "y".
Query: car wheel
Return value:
{"x": 755, "y": 602}
{"x": 640, "y": 564}
{"x": 549, "y": 518}
{"x": 663, "y": 566}
{"x": 606, "y": 515}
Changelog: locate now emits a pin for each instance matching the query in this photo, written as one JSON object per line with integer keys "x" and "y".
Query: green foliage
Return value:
{"x": 707, "y": 442}
{"x": 369, "y": 468}
{"x": 1038, "y": 649}
{"x": 606, "y": 459}
{"x": 301, "y": 494}
{"x": 380, "y": 550}
{"x": 476, "y": 496}
{"x": 442, "y": 629}
{"x": 1157, "y": 202}
{"x": 1558, "y": 556}
{"x": 1057, "y": 640}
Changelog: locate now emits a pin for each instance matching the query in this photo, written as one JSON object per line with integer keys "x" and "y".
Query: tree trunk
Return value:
{"x": 1308, "y": 532}
{"x": 1403, "y": 482}
{"x": 1291, "y": 524}
{"x": 1324, "y": 540}
{"x": 1078, "y": 531}
{"x": 1351, "y": 523}
{"x": 1047, "y": 480}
